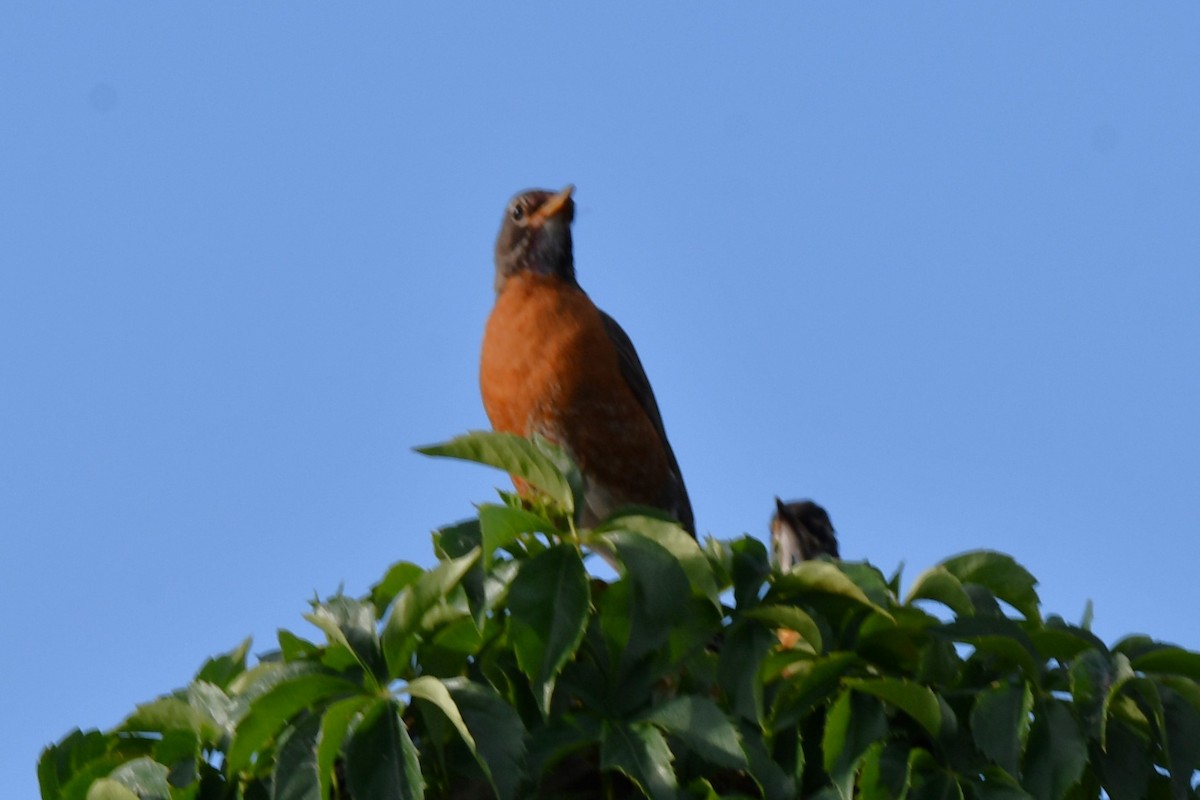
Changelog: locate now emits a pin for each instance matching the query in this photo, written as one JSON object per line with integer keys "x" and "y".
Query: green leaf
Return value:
{"x": 296, "y": 773}
{"x": 1092, "y": 675}
{"x": 1169, "y": 661}
{"x": 414, "y": 605}
{"x": 107, "y": 789}
{"x": 335, "y": 724}
{"x": 1125, "y": 766}
{"x": 999, "y": 637}
{"x": 1000, "y": 724}
{"x": 639, "y": 752}
{"x": 145, "y": 777}
{"x": 1183, "y": 739}
{"x": 810, "y": 685}
{"x": 855, "y": 722}
{"x": 1001, "y": 575}
{"x": 455, "y": 541}
{"x": 702, "y": 726}
{"x": 399, "y": 575}
{"x": 271, "y": 712}
{"x": 793, "y": 619}
{"x": 1056, "y": 753}
{"x": 884, "y": 774}
{"x": 381, "y": 761}
{"x": 660, "y": 591}
{"x": 749, "y": 568}
{"x": 519, "y": 457}
{"x": 819, "y": 577}
{"x": 295, "y": 648}
{"x": 349, "y": 622}
{"x": 668, "y": 534}
{"x": 941, "y": 586}
{"x": 500, "y": 525}
{"x": 919, "y": 702}
{"x": 222, "y": 669}
{"x": 434, "y": 691}
{"x": 548, "y": 611}
{"x": 171, "y": 714}
{"x": 499, "y": 734}
{"x": 742, "y": 653}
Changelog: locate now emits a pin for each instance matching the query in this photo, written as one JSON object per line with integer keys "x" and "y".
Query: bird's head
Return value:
{"x": 535, "y": 236}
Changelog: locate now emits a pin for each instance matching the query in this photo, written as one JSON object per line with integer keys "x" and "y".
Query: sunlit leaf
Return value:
{"x": 517, "y": 456}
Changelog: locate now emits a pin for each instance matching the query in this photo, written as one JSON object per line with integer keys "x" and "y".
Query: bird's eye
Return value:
{"x": 518, "y": 212}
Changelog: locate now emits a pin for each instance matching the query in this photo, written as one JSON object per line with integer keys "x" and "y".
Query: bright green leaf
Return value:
{"x": 500, "y": 525}
{"x": 939, "y": 585}
{"x": 399, "y": 575}
{"x": 271, "y": 712}
{"x": 819, "y": 577}
{"x": 107, "y": 789}
{"x": 517, "y": 456}
{"x": 335, "y": 723}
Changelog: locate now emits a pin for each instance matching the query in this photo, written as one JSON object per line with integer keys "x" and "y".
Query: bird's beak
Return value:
{"x": 780, "y": 508}
{"x": 552, "y": 206}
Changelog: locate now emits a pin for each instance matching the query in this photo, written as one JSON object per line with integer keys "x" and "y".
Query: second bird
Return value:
{"x": 556, "y": 365}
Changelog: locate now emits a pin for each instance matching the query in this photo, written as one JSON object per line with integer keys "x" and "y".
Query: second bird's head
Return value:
{"x": 535, "y": 236}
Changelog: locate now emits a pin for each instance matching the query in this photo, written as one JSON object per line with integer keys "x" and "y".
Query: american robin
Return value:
{"x": 801, "y": 531}
{"x": 555, "y": 364}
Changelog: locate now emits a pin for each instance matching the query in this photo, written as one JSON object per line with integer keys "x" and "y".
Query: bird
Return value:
{"x": 801, "y": 531}
{"x": 554, "y": 364}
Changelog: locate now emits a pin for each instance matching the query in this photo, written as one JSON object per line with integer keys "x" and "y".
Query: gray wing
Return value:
{"x": 635, "y": 376}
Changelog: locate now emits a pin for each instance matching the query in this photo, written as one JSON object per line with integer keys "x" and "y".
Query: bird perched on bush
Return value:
{"x": 556, "y": 365}
{"x": 801, "y": 531}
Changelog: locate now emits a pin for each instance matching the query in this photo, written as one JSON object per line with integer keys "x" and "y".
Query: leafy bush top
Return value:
{"x": 505, "y": 671}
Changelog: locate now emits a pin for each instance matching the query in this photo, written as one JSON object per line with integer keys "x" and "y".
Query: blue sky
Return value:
{"x": 936, "y": 266}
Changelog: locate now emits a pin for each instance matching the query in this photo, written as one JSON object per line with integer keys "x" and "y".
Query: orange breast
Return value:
{"x": 549, "y": 367}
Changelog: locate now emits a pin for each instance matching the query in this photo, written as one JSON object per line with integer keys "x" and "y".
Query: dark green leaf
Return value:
{"x": 999, "y": 637}
{"x": 917, "y": 701}
{"x": 1125, "y": 765}
{"x": 519, "y": 457}
{"x": 703, "y": 727}
{"x": 884, "y": 774}
{"x": 1092, "y": 673}
{"x": 1170, "y": 661}
{"x": 855, "y": 722}
{"x": 639, "y": 752}
{"x": 498, "y": 732}
{"x": 335, "y": 723}
{"x": 660, "y": 592}
{"x": 455, "y": 541}
{"x": 272, "y": 711}
{"x": 810, "y": 684}
{"x": 1000, "y": 724}
{"x": 1001, "y": 575}
{"x": 294, "y": 648}
{"x": 381, "y": 761}
{"x": 548, "y": 606}
{"x": 1183, "y": 739}
{"x": 749, "y": 567}
{"x": 742, "y": 653}
{"x": 296, "y": 772}
{"x": 1056, "y": 753}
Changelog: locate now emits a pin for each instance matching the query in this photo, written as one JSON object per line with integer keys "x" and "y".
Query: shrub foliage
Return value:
{"x": 505, "y": 671}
